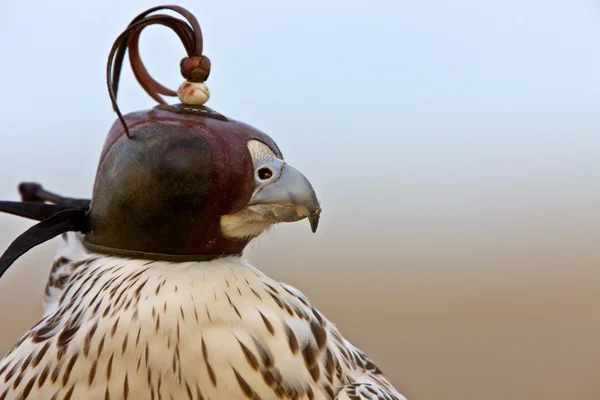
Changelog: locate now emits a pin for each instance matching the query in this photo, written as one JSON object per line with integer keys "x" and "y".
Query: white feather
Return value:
{"x": 122, "y": 328}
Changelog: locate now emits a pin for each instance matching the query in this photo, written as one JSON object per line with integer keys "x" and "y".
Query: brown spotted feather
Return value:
{"x": 132, "y": 329}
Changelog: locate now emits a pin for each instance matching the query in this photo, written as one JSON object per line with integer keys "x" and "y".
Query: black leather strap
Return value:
{"x": 31, "y": 210}
{"x": 55, "y": 220}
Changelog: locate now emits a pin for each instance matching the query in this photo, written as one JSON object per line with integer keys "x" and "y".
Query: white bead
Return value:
{"x": 193, "y": 93}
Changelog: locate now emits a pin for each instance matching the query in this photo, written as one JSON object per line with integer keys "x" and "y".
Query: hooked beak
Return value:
{"x": 290, "y": 198}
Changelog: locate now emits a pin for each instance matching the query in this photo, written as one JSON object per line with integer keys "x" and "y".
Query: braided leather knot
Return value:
{"x": 195, "y": 69}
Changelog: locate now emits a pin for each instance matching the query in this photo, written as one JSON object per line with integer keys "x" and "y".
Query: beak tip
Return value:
{"x": 314, "y": 223}
{"x": 314, "y": 220}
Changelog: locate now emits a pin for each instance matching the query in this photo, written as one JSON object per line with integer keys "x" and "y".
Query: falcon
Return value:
{"x": 149, "y": 295}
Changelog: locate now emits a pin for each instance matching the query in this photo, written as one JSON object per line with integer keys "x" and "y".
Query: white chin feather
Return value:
{"x": 243, "y": 225}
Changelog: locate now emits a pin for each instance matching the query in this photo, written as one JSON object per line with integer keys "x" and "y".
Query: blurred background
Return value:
{"x": 455, "y": 147}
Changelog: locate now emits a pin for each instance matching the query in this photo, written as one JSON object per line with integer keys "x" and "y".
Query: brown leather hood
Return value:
{"x": 164, "y": 189}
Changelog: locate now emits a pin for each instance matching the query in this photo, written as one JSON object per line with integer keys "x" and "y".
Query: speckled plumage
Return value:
{"x": 116, "y": 328}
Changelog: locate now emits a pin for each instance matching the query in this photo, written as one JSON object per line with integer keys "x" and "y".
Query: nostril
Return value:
{"x": 265, "y": 173}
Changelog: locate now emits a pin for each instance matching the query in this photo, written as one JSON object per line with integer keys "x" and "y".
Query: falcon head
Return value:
{"x": 190, "y": 184}
{"x": 281, "y": 194}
